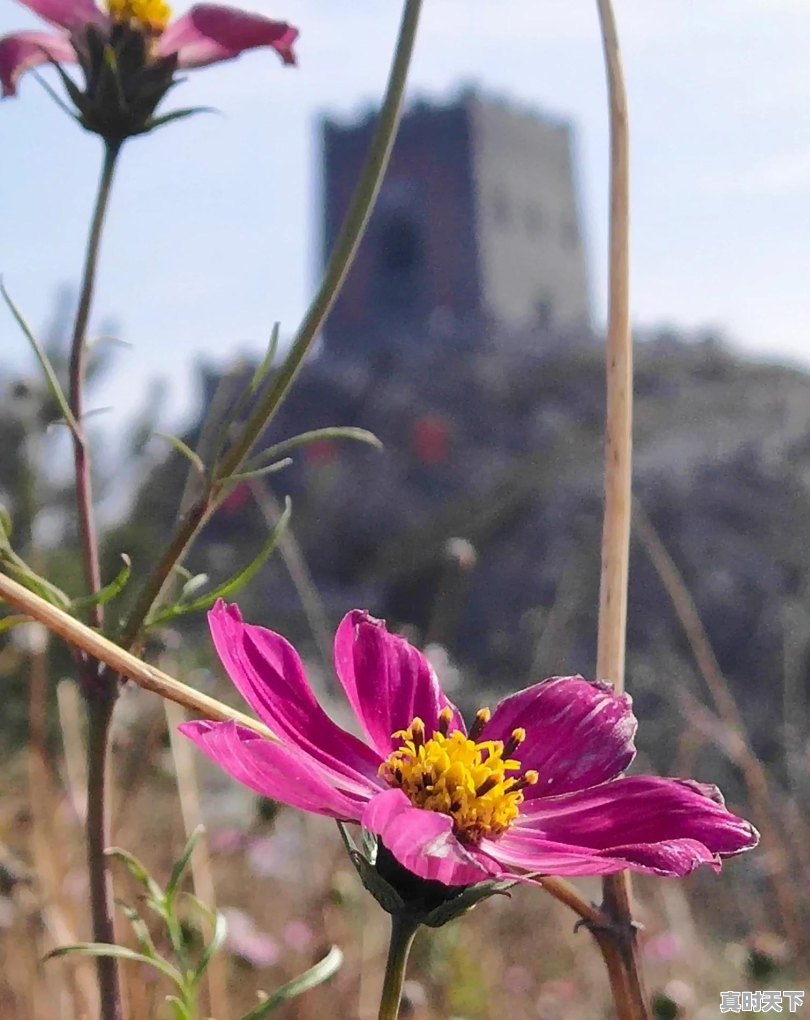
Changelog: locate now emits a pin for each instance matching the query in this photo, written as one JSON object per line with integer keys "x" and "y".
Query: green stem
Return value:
{"x": 340, "y": 261}
{"x": 402, "y": 936}
{"x": 100, "y": 697}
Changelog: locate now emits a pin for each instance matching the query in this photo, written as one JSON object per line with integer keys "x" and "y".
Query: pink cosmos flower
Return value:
{"x": 534, "y": 786}
{"x": 206, "y": 34}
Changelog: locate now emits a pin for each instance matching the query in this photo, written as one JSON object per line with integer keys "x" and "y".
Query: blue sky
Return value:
{"x": 213, "y": 229}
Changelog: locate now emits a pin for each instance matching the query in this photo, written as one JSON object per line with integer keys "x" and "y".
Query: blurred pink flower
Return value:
{"x": 206, "y": 34}
{"x": 535, "y": 786}
{"x": 298, "y": 935}
{"x": 245, "y": 940}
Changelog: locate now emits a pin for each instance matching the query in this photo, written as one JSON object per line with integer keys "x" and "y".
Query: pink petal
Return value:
{"x": 423, "y": 841}
{"x": 24, "y": 50}
{"x": 269, "y": 674}
{"x": 518, "y": 849}
{"x": 387, "y": 681}
{"x": 67, "y": 14}
{"x": 666, "y": 826}
{"x": 209, "y": 33}
{"x": 578, "y": 733}
{"x": 280, "y": 773}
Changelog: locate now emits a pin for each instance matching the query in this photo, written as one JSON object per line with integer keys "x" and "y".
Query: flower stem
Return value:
{"x": 78, "y": 362}
{"x": 340, "y": 261}
{"x": 618, "y": 940}
{"x": 402, "y": 936}
{"x": 99, "y": 694}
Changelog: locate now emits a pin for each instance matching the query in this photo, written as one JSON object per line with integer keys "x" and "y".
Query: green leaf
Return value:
{"x": 213, "y": 947}
{"x": 8, "y": 622}
{"x": 249, "y": 476}
{"x": 119, "y": 953}
{"x": 264, "y": 365}
{"x": 44, "y": 361}
{"x": 186, "y": 451}
{"x": 109, "y": 591}
{"x": 234, "y": 584}
{"x": 322, "y": 971}
{"x": 6, "y": 525}
{"x": 138, "y": 872}
{"x": 139, "y": 928}
{"x": 33, "y": 582}
{"x": 335, "y": 432}
{"x": 182, "y": 863}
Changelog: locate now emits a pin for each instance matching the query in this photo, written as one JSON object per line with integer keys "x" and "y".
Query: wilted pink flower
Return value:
{"x": 206, "y": 34}
{"x": 534, "y": 786}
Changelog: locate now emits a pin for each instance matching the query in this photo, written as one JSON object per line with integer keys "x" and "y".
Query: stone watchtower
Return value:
{"x": 476, "y": 231}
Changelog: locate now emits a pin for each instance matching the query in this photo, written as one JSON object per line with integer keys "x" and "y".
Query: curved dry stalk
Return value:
{"x": 618, "y": 942}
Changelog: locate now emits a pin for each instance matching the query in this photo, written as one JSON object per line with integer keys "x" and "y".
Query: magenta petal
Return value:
{"x": 209, "y": 33}
{"x": 280, "y": 773}
{"x": 68, "y": 14}
{"x": 269, "y": 674}
{"x": 669, "y": 826}
{"x": 578, "y": 733}
{"x": 24, "y": 50}
{"x": 387, "y": 681}
{"x": 423, "y": 841}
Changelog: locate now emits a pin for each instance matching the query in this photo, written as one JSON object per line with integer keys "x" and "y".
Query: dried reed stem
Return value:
{"x": 618, "y": 940}
{"x": 119, "y": 661}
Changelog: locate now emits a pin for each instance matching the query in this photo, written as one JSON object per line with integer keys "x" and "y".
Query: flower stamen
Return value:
{"x": 459, "y": 776}
{"x": 150, "y": 15}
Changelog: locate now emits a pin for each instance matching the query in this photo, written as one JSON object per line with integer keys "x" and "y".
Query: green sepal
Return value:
{"x": 167, "y": 118}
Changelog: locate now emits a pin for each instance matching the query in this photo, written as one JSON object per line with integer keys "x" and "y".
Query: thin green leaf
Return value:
{"x": 234, "y": 584}
{"x": 139, "y": 928}
{"x": 322, "y": 971}
{"x": 335, "y": 432}
{"x": 182, "y": 863}
{"x": 137, "y": 870}
{"x": 119, "y": 953}
{"x": 44, "y": 361}
{"x": 249, "y": 476}
{"x": 185, "y": 449}
{"x": 109, "y": 591}
{"x": 33, "y": 582}
{"x": 8, "y": 622}
{"x": 179, "y": 1009}
{"x": 213, "y": 947}
{"x": 6, "y": 525}
{"x": 209, "y": 914}
{"x": 264, "y": 365}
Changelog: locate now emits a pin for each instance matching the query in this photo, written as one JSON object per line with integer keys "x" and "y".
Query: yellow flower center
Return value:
{"x": 457, "y": 776}
{"x": 152, "y": 15}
